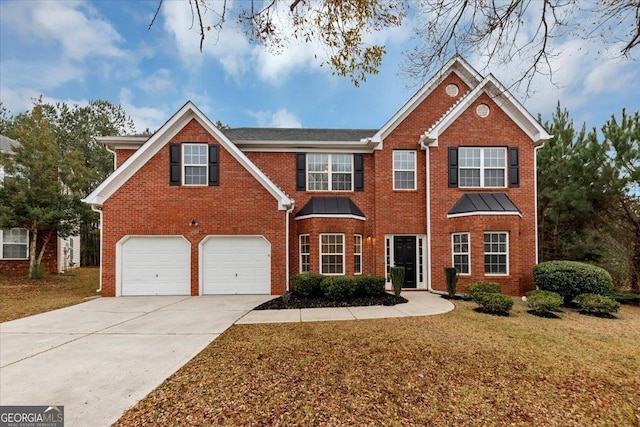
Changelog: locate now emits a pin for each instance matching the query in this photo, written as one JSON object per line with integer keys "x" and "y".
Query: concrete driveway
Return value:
{"x": 101, "y": 357}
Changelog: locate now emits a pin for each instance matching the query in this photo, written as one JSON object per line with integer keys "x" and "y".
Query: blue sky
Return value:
{"x": 75, "y": 51}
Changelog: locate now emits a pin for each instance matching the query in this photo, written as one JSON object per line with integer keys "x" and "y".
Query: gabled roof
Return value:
{"x": 501, "y": 96}
{"x": 333, "y": 207}
{"x": 456, "y": 64}
{"x": 6, "y": 144}
{"x": 159, "y": 139}
{"x": 483, "y": 204}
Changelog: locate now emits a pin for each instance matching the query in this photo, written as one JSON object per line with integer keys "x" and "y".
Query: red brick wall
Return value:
{"x": 122, "y": 155}
{"x": 146, "y": 204}
{"x": 49, "y": 259}
{"x": 495, "y": 130}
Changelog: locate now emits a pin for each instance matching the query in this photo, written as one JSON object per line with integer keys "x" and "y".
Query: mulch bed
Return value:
{"x": 296, "y": 301}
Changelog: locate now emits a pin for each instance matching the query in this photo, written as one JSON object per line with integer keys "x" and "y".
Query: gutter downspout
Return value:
{"x": 286, "y": 243}
{"x": 95, "y": 208}
{"x": 114, "y": 157}
{"x": 535, "y": 192}
{"x": 428, "y": 195}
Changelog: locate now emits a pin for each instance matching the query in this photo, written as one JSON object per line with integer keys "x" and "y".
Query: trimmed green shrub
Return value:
{"x": 597, "y": 304}
{"x": 338, "y": 287}
{"x": 543, "y": 302}
{"x": 486, "y": 287}
{"x": 397, "y": 279}
{"x": 627, "y": 298}
{"x": 370, "y": 285}
{"x": 570, "y": 279}
{"x": 495, "y": 303}
{"x": 306, "y": 284}
{"x": 451, "y": 277}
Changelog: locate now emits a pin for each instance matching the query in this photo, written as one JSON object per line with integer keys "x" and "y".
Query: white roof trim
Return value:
{"x": 158, "y": 140}
{"x": 364, "y": 145}
{"x": 348, "y": 216}
{"x": 462, "y": 68}
{"x": 459, "y": 215}
{"x": 503, "y": 99}
{"x": 123, "y": 142}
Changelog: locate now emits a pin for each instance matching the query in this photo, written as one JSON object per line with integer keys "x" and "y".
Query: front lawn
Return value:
{"x": 463, "y": 368}
{"x": 21, "y": 296}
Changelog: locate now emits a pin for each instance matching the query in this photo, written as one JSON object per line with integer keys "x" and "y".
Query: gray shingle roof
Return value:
{"x": 7, "y": 143}
{"x": 483, "y": 202}
{"x": 330, "y": 206}
{"x": 299, "y": 134}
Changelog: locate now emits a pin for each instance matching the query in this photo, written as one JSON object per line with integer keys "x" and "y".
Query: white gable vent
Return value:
{"x": 482, "y": 110}
{"x": 452, "y": 90}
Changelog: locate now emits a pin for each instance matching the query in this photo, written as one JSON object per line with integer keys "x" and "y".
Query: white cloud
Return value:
{"x": 280, "y": 119}
{"x": 143, "y": 117}
{"x": 76, "y": 27}
{"x": 159, "y": 81}
{"x": 230, "y": 47}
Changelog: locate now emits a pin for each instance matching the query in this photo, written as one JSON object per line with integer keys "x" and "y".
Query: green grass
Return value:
{"x": 21, "y": 296}
{"x": 463, "y": 368}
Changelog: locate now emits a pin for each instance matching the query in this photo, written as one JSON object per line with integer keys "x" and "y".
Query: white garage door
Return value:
{"x": 236, "y": 265}
{"x": 155, "y": 266}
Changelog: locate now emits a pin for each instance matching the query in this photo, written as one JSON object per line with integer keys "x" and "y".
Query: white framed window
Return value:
{"x": 461, "y": 252}
{"x": 482, "y": 167}
{"x": 332, "y": 254}
{"x": 404, "y": 170}
{"x": 305, "y": 247}
{"x": 496, "y": 253}
{"x": 14, "y": 243}
{"x": 195, "y": 162}
{"x": 357, "y": 254}
{"x": 329, "y": 172}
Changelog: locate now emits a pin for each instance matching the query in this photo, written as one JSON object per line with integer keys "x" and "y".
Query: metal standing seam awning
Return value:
{"x": 331, "y": 207}
{"x": 483, "y": 204}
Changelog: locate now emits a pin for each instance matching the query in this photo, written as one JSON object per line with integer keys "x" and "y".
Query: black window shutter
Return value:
{"x": 453, "y": 167}
{"x": 514, "y": 167}
{"x": 174, "y": 164}
{"x": 214, "y": 165}
{"x": 358, "y": 172}
{"x": 301, "y": 172}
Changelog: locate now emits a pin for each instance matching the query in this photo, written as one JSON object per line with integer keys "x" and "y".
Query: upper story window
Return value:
{"x": 14, "y": 243}
{"x": 195, "y": 163}
{"x": 329, "y": 172}
{"x": 404, "y": 170}
{"x": 482, "y": 167}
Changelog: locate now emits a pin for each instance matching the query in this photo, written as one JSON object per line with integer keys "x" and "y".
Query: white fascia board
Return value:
{"x": 160, "y": 138}
{"x": 503, "y": 99}
{"x": 123, "y": 141}
{"x": 456, "y": 64}
{"x": 460, "y": 215}
{"x": 362, "y": 146}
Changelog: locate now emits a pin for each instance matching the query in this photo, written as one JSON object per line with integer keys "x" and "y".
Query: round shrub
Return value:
{"x": 370, "y": 285}
{"x": 306, "y": 284}
{"x": 338, "y": 288}
{"x": 543, "y": 302}
{"x": 486, "y": 287}
{"x": 570, "y": 279}
{"x": 491, "y": 302}
{"x": 597, "y": 304}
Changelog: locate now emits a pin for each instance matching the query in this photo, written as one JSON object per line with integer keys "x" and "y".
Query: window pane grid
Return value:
{"x": 332, "y": 253}
{"x": 404, "y": 170}
{"x": 15, "y": 244}
{"x": 357, "y": 254}
{"x": 195, "y": 161}
{"x": 461, "y": 258}
{"x": 482, "y": 167}
{"x": 304, "y": 254}
{"x": 329, "y": 172}
{"x": 495, "y": 253}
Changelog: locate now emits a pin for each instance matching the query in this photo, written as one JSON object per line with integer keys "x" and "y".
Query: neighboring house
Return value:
{"x": 60, "y": 255}
{"x": 450, "y": 179}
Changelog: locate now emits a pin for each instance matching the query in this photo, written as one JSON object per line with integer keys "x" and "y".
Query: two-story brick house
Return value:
{"x": 450, "y": 179}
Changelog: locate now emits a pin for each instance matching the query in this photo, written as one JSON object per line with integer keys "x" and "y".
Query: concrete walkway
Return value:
{"x": 420, "y": 304}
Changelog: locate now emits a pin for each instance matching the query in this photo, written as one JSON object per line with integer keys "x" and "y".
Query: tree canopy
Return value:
{"x": 499, "y": 31}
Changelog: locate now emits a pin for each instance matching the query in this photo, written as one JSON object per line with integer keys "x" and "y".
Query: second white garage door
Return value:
{"x": 235, "y": 265}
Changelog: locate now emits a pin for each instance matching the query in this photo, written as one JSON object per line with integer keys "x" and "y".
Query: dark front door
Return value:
{"x": 404, "y": 255}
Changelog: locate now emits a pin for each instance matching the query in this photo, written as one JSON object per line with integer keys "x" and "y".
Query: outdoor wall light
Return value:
{"x": 194, "y": 223}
